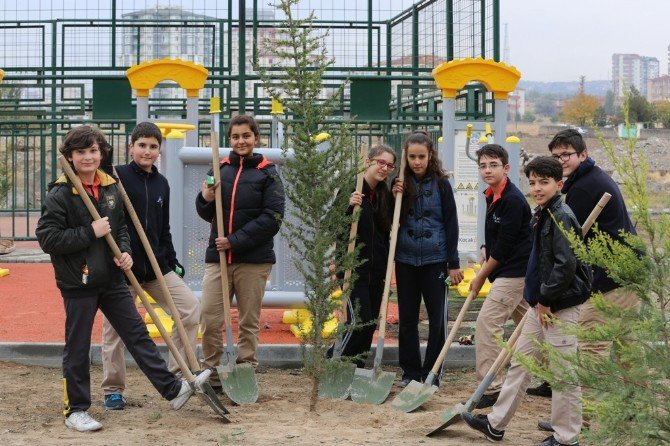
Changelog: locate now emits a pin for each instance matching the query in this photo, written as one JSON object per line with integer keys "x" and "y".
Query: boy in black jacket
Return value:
{"x": 149, "y": 192}
{"x": 90, "y": 277}
{"x": 556, "y": 286}
{"x": 504, "y": 261}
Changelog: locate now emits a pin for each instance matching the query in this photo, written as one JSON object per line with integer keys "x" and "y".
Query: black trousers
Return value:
{"x": 117, "y": 305}
{"x": 414, "y": 282}
{"x": 363, "y": 310}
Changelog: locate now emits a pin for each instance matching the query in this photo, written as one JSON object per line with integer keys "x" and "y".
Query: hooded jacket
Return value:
{"x": 253, "y": 207}
{"x": 83, "y": 263}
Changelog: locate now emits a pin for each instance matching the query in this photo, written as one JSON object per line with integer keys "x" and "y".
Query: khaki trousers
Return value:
{"x": 566, "y": 406}
{"x": 505, "y": 301}
{"x": 591, "y": 318}
{"x": 246, "y": 281}
{"x": 113, "y": 361}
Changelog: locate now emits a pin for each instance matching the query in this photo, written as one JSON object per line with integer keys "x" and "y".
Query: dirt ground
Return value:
{"x": 31, "y": 399}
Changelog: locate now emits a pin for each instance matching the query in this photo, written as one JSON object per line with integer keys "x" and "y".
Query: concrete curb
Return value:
{"x": 271, "y": 355}
{"x": 25, "y": 255}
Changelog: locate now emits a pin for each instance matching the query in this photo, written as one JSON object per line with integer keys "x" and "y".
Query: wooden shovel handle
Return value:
{"x": 595, "y": 212}
{"x": 74, "y": 179}
{"x": 452, "y": 333}
{"x": 389, "y": 263}
{"x": 218, "y": 203}
{"x": 354, "y": 227}
{"x": 190, "y": 354}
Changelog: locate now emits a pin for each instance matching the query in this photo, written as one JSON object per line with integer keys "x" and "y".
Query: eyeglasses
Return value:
{"x": 491, "y": 166}
{"x": 564, "y": 156}
{"x": 382, "y": 164}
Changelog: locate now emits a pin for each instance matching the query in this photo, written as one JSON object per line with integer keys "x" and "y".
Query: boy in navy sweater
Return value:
{"x": 556, "y": 286}
{"x": 504, "y": 261}
{"x": 149, "y": 194}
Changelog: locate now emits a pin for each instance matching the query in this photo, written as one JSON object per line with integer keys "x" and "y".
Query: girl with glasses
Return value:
{"x": 374, "y": 227}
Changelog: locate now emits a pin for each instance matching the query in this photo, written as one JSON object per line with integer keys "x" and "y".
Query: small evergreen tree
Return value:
{"x": 317, "y": 178}
{"x": 627, "y": 396}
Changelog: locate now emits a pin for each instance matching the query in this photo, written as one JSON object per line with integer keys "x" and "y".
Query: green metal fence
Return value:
{"x": 61, "y": 57}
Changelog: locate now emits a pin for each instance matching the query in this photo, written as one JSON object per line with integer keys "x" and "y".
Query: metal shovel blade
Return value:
{"x": 336, "y": 380}
{"x": 239, "y": 382}
{"x": 371, "y": 386}
{"x": 450, "y": 417}
{"x": 413, "y": 396}
{"x": 207, "y": 394}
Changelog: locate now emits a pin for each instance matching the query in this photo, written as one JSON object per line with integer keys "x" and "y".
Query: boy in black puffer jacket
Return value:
{"x": 556, "y": 286}
{"x": 90, "y": 277}
{"x": 253, "y": 206}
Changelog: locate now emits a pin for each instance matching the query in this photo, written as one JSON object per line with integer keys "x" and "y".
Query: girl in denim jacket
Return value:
{"x": 426, "y": 254}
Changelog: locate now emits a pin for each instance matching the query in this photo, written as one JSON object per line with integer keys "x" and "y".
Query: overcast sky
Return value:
{"x": 559, "y": 40}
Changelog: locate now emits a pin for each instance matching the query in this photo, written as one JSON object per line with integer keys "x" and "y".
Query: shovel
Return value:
{"x": 209, "y": 396}
{"x": 339, "y": 374}
{"x": 198, "y": 389}
{"x": 237, "y": 380}
{"x": 453, "y": 415}
{"x": 373, "y": 386}
{"x": 415, "y": 394}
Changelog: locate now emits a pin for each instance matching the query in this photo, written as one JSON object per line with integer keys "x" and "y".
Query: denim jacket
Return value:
{"x": 429, "y": 232}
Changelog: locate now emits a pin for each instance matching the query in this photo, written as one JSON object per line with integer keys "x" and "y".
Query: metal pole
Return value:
{"x": 242, "y": 60}
{"x": 113, "y": 33}
{"x": 450, "y": 30}
{"x": 496, "y": 30}
{"x": 370, "y": 33}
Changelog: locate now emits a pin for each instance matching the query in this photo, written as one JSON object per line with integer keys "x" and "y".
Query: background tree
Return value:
{"x": 662, "y": 112}
{"x": 580, "y": 109}
{"x": 313, "y": 177}
{"x": 639, "y": 109}
{"x": 626, "y": 396}
{"x": 608, "y": 105}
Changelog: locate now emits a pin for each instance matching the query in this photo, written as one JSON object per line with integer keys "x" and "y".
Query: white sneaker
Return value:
{"x": 82, "y": 422}
{"x": 186, "y": 391}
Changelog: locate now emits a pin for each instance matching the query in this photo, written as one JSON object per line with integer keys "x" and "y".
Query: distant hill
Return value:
{"x": 596, "y": 88}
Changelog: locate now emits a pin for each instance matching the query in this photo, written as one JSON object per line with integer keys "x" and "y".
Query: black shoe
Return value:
{"x": 481, "y": 423}
{"x": 551, "y": 441}
{"x": 487, "y": 400}
{"x": 545, "y": 426}
{"x": 543, "y": 390}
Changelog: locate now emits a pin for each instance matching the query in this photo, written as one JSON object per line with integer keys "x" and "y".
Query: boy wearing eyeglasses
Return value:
{"x": 504, "y": 258}
{"x": 585, "y": 183}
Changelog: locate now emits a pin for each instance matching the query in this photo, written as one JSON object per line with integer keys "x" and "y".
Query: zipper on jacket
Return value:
{"x": 232, "y": 207}
{"x": 146, "y": 223}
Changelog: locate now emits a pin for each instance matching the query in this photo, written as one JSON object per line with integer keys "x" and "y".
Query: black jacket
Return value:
{"x": 149, "y": 193}
{"x": 253, "y": 206}
{"x": 555, "y": 277}
{"x": 64, "y": 231}
{"x": 507, "y": 234}
{"x": 582, "y": 191}
{"x": 372, "y": 237}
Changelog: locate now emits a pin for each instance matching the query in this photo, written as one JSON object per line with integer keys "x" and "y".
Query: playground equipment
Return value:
{"x": 460, "y": 138}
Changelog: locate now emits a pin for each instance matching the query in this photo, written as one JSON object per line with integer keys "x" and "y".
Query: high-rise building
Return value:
{"x": 632, "y": 70}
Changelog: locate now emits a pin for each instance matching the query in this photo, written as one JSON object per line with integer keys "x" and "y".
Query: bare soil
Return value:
{"x": 31, "y": 401}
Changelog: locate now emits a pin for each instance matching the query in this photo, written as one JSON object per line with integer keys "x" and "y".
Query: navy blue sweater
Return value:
{"x": 149, "y": 193}
{"x": 582, "y": 191}
{"x": 507, "y": 231}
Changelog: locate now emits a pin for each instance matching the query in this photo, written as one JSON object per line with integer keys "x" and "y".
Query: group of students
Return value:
{"x": 89, "y": 277}
{"x": 526, "y": 257}
{"x": 534, "y": 266}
